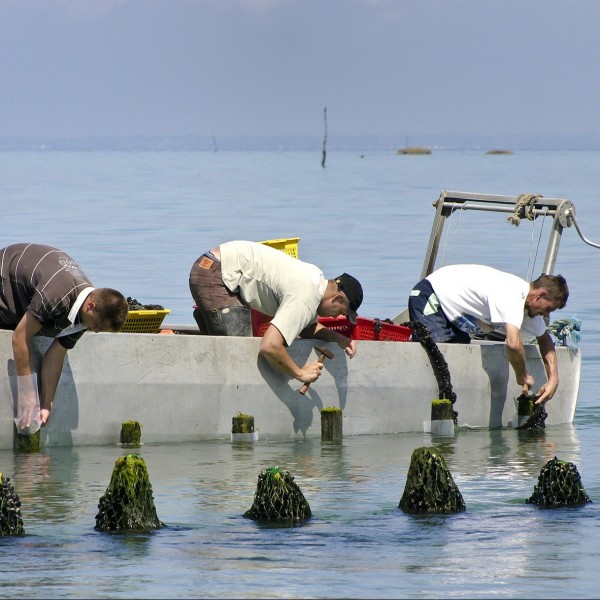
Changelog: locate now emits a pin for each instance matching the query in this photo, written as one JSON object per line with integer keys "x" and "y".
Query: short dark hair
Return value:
{"x": 555, "y": 285}
{"x": 112, "y": 307}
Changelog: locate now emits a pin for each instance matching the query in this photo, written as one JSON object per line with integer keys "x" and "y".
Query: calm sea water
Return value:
{"x": 137, "y": 221}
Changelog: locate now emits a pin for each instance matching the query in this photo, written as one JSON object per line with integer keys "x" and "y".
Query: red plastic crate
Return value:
{"x": 368, "y": 329}
{"x": 260, "y": 322}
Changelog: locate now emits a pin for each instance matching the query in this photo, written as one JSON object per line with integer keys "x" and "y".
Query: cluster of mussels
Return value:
{"x": 278, "y": 498}
{"x": 559, "y": 484}
{"x": 438, "y": 363}
{"x": 429, "y": 485}
{"x": 537, "y": 413}
{"x": 135, "y": 305}
{"x": 11, "y": 522}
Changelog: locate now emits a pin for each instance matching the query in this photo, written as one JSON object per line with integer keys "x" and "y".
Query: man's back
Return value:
{"x": 42, "y": 280}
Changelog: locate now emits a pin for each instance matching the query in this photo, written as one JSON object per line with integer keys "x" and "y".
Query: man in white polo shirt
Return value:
{"x": 236, "y": 276}
{"x": 44, "y": 292}
{"x": 458, "y": 301}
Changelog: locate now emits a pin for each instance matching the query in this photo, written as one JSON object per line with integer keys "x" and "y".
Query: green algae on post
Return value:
{"x": 11, "y": 522}
{"x": 441, "y": 410}
{"x": 429, "y": 485}
{"x": 131, "y": 433}
{"x": 242, "y": 423}
{"x": 331, "y": 424}
{"x": 128, "y": 503}
{"x": 29, "y": 443}
{"x": 242, "y": 428}
{"x": 278, "y": 499}
{"x": 559, "y": 484}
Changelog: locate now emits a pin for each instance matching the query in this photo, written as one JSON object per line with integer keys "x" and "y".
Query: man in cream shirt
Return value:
{"x": 229, "y": 280}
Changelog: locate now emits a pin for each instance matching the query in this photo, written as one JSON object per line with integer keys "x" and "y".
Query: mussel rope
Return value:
{"x": 438, "y": 363}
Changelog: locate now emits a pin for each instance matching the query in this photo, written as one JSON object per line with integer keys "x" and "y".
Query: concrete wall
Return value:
{"x": 188, "y": 387}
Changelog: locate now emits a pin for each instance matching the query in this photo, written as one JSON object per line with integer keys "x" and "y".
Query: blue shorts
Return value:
{"x": 424, "y": 307}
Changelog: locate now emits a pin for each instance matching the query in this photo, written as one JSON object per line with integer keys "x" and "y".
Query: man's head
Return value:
{"x": 105, "y": 309}
{"x": 353, "y": 292}
{"x": 546, "y": 294}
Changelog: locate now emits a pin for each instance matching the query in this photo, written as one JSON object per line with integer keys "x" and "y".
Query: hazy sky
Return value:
{"x": 75, "y": 68}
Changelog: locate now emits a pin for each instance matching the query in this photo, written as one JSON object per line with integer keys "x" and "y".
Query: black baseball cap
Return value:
{"x": 353, "y": 291}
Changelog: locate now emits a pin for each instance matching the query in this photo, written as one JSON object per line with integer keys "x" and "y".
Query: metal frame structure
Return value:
{"x": 449, "y": 202}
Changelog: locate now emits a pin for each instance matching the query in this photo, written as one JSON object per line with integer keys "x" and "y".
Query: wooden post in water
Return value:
{"x": 242, "y": 428}
{"x": 28, "y": 442}
{"x": 331, "y": 424}
{"x": 131, "y": 433}
{"x": 441, "y": 417}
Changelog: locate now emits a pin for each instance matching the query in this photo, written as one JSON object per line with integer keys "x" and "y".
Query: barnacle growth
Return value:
{"x": 559, "y": 484}
{"x": 11, "y": 522}
{"x": 429, "y": 485}
{"x": 128, "y": 503}
{"x": 278, "y": 498}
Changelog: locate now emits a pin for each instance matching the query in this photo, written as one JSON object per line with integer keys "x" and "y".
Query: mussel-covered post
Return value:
{"x": 131, "y": 433}
{"x": 331, "y": 424}
{"x": 11, "y": 522}
{"x": 429, "y": 485}
{"x": 25, "y": 442}
{"x": 278, "y": 498}
{"x": 128, "y": 503}
{"x": 559, "y": 484}
{"x": 441, "y": 417}
{"x": 242, "y": 428}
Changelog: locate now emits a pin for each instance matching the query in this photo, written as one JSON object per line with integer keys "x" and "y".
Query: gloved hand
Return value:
{"x": 28, "y": 404}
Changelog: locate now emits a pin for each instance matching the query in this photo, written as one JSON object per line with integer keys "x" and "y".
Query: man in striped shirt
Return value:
{"x": 44, "y": 292}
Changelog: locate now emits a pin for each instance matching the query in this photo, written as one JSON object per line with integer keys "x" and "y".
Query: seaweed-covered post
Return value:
{"x": 242, "y": 428}
{"x": 28, "y": 442}
{"x": 559, "y": 484}
{"x": 441, "y": 417}
{"x": 131, "y": 433}
{"x": 128, "y": 503}
{"x": 429, "y": 485}
{"x": 331, "y": 424}
{"x": 11, "y": 522}
{"x": 278, "y": 499}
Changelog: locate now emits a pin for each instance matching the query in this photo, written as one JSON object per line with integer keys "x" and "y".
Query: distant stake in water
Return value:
{"x": 128, "y": 504}
{"x": 131, "y": 433}
{"x": 331, "y": 424}
{"x": 429, "y": 485}
{"x": 559, "y": 484}
{"x": 11, "y": 522}
{"x": 278, "y": 499}
{"x": 242, "y": 428}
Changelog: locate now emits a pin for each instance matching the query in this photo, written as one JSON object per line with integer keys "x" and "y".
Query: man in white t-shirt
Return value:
{"x": 460, "y": 301}
{"x": 229, "y": 280}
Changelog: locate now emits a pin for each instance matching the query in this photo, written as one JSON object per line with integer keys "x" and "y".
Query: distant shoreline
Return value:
{"x": 362, "y": 143}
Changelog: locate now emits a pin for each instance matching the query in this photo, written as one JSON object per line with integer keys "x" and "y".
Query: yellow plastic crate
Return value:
{"x": 287, "y": 245}
{"x": 144, "y": 321}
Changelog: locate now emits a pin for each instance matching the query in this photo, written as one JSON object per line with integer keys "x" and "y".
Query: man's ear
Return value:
{"x": 339, "y": 297}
